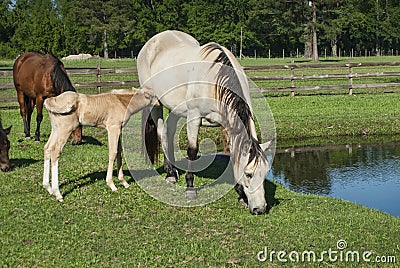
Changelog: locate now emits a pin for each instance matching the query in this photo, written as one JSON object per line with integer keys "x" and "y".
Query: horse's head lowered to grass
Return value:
{"x": 4, "y": 148}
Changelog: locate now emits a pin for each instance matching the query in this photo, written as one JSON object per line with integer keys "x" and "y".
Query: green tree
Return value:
{"x": 36, "y": 26}
{"x": 6, "y": 28}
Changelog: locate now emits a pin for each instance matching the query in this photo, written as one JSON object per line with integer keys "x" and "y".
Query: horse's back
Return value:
{"x": 31, "y": 73}
{"x": 160, "y": 46}
{"x": 26, "y": 68}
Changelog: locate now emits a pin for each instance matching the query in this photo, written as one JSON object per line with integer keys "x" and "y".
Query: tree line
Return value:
{"x": 121, "y": 27}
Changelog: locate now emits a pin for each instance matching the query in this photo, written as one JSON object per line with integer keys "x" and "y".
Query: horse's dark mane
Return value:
{"x": 230, "y": 92}
{"x": 60, "y": 79}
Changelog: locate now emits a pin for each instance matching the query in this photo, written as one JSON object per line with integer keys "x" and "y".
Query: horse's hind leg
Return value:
{"x": 39, "y": 116}
{"x": 168, "y": 132}
{"x": 25, "y": 109}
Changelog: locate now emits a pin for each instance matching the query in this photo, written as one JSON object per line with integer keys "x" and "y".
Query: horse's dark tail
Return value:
{"x": 60, "y": 79}
{"x": 150, "y": 142}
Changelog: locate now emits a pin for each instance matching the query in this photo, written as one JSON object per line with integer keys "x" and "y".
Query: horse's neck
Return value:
{"x": 238, "y": 135}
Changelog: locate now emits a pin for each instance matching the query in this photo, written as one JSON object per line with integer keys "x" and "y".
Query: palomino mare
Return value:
{"x": 203, "y": 84}
{"x": 37, "y": 77}
{"x": 110, "y": 111}
{"x": 4, "y": 148}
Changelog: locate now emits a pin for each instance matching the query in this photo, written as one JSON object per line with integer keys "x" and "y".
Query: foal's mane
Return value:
{"x": 230, "y": 92}
{"x": 59, "y": 78}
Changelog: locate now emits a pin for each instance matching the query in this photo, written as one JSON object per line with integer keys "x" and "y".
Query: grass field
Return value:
{"x": 97, "y": 227}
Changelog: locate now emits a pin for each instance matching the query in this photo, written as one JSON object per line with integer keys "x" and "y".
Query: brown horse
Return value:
{"x": 109, "y": 110}
{"x": 4, "y": 147}
{"x": 37, "y": 77}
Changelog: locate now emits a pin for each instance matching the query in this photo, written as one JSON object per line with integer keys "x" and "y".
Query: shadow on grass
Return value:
{"x": 270, "y": 190}
{"x": 22, "y": 162}
{"x": 91, "y": 140}
{"x": 70, "y": 185}
{"x": 215, "y": 170}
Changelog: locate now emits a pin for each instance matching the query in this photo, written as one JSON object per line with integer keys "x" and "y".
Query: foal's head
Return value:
{"x": 4, "y": 148}
{"x": 142, "y": 98}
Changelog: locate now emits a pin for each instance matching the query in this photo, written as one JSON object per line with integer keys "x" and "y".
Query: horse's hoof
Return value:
{"x": 191, "y": 193}
{"x": 170, "y": 180}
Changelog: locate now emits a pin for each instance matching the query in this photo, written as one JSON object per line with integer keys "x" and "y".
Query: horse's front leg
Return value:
{"x": 193, "y": 126}
{"x": 113, "y": 137}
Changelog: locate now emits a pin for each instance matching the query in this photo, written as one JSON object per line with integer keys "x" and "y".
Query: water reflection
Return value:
{"x": 364, "y": 174}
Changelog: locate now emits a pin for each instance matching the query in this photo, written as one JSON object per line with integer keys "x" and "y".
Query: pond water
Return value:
{"x": 366, "y": 174}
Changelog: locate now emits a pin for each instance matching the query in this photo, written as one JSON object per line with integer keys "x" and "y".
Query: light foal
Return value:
{"x": 110, "y": 111}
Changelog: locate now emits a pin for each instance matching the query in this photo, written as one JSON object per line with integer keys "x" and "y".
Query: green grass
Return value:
{"x": 97, "y": 227}
{"x": 362, "y": 115}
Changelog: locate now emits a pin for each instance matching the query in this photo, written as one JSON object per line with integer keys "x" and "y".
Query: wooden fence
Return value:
{"x": 292, "y": 77}
{"x": 350, "y": 75}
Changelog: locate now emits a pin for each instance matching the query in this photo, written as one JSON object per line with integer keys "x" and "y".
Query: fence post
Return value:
{"x": 98, "y": 78}
{"x": 292, "y": 78}
{"x": 350, "y": 78}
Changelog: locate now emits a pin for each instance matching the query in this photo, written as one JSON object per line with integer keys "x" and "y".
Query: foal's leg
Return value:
{"x": 119, "y": 165}
{"x": 47, "y": 157}
{"x": 113, "y": 137}
{"x": 63, "y": 132}
{"x": 193, "y": 125}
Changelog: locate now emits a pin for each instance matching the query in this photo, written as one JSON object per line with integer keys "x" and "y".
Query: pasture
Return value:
{"x": 97, "y": 227}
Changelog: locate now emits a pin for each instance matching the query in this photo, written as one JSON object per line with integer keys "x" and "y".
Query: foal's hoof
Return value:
{"x": 59, "y": 198}
{"x": 170, "y": 180}
{"x": 191, "y": 193}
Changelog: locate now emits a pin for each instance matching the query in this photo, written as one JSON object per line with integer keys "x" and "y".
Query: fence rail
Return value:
{"x": 98, "y": 72}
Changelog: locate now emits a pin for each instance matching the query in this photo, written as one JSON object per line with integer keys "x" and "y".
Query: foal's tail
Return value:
{"x": 62, "y": 104}
{"x": 151, "y": 144}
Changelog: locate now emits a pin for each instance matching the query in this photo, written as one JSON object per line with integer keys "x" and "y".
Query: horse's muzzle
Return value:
{"x": 257, "y": 210}
{"x": 5, "y": 168}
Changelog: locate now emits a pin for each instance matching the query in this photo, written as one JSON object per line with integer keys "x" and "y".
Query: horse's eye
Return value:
{"x": 248, "y": 175}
